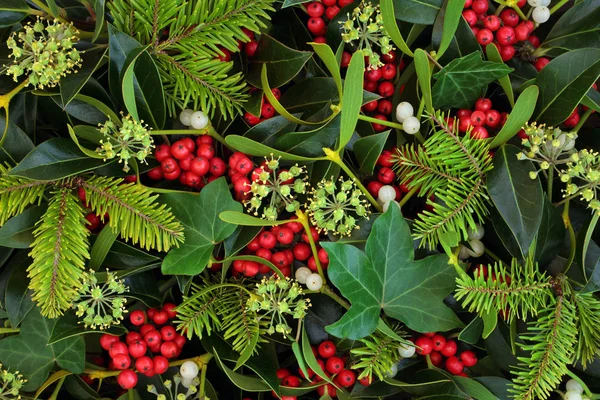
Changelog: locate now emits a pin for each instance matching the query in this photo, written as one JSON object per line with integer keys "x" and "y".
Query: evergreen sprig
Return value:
{"x": 453, "y": 168}
{"x": 588, "y": 312}
{"x": 17, "y": 193}
{"x": 520, "y": 292}
{"x": 198, "y": 314}
{"x": 378, "y": 355}
{"x": 185, "y": 37}
{"x": 551, "y": 342}
{"x": 59, "y": 252}
{"x": 134, "y": 212}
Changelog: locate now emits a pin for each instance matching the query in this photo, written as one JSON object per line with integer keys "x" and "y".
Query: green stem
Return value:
{"x": 57, "y": 389}
{"x": 587, "y": 390}
{"x": 326, "y": 290}
{"x": 550, "y": 181}
{"x": 557, "y": 6}
{"x": 303, "y": 219}
{"x": 47, "y": 10}
{"x": 380, "y": 122}
{"x": 518, "y": 11}
{"x": 202, "y": 381}
{"x": 130, "y": 394}
{"x": 408, "y": 195}
{"x": 499, "y": 9}
{"x": 572, "y": 238}
{"x": 582, "y": 120}
{"x": 9, "y": 330}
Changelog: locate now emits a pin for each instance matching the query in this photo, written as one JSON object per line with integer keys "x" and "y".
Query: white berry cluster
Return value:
{"x": 574, "y": 391}
{"x": 306, "y": 277}
{"x": 405, "y": 115}
{"x": 541, "y": 12}
{"x": 477, "y": 247}
{"x": 387, "y": 196}
{"x": 193, "y": 119}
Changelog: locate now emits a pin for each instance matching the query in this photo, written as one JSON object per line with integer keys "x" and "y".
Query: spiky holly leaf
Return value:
{"x": 387, "y": 277}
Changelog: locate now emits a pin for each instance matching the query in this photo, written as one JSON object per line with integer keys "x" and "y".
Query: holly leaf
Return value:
{"x": 463, "y": 80}
{"x": 203, "y": 227}
{"x": 31, "y": 355}
{"x": 387, "y": 277}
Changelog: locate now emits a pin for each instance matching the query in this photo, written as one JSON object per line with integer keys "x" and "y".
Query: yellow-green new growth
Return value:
{"x": 12, "y": 382}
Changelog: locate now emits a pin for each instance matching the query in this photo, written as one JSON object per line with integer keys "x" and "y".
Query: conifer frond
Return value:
{"x": 520, "y": 292}
{"x": 588, "y": 313}
{"x": 198, "y": 313}
{"x": 186, "y": 38}
{"x": 17, "y": 193}
{"x": 452, "y": 168}
{"x": 59, "y": 252}
{"x": 134, "y": 212}
{"x": 378, "y": 355}
{"x": 551, "y": 343}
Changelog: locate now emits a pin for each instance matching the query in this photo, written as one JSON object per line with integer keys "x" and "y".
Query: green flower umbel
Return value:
{"x": 44, "y": 52}
{"x": 11, "y": 384}
{"x": 584, "y": 167}
{"x": 335, "y": 207}
{"x": 125, "y": 139}
{"x": 365, "y": 27}
{"x": 276, "y": 298}
{"x": 101, "y": 305}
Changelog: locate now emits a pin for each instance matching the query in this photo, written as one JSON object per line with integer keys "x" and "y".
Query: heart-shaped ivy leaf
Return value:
{"x": 387, "y": 277}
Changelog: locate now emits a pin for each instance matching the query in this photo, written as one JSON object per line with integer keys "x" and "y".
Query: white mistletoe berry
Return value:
{"x": 463, "y": 254}
{"x": 406, "y": 351}
{"x": 186, "y": 117}
{"x": 314, "y": 282}
{"x": 411, "y": 125}
{"x": 574, "y": 386}
{"x": 186, "y": 383}
{"x": 198, "y": 120}
{"x": 573, "y": 395}
{"x": 477, "y": 248}
{"x": 302, "y": 274}
{"x": 393, "y": 371}
{"x": 189, "y": 370}
{"x": 386, "y": 194}
{"x": 541, "y": 14}
{"x": 477, "y": 233}
{"x": 534, "y": 3}
{"x": 403, "y": 111}
{"x": 545, "y": 3}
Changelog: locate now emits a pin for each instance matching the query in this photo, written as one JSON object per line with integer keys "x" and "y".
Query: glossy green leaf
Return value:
{"x": 463, "y": 80}
{"x": 268, "y": 131}
{"x": 417, "y": 11}
{"x": 490, "y": 321}
{"x": 463, "y": 43}
{"x": 55, "y": 159}
{"x": 577, "y": 28}
{"x": 551, "y": 234}
{"x": 72, "y": 84}
{"x": 68, "y": 327}
{"x": 239, "y": 239}
{"x": 58, "y": 375}
{"x": 289, "y": 3}
{"x": 17, "y": 299}
{"x": 326, "y": 55}
{"x": 472, "y": 332}
{"x": 12, "y": 12}
{"x": 564, "y": 82}
{"x": 29, "y": 353}
{"x": 17, "y": 232}
{"x": 240, "y": 218}
{"x": 101, "y": 247}
{"x": 310, "y": 358}
{"x": 424, "y": 75}
{"x": 106, "y": 110}
{"x": 592, "y": 100}
{"x": 590, "y": 260}
{"x": 203, "y": 228}
{"x": 16, "y": 143}
{"x": 452, "y": 15}
{"x": 249, "y": 146}
{"x": 391, "y": 26}
{"x": 282, "y": 62}
{"x": 311, "y": 143}
{"x": 119, "y": 47}
{"x": 520, "y": 114}
{"x": 99, "y": 10}
{"x": 84, "y": 150}
{"x": 494, "y": 55}
{"x": 517, "y": 197}
{"x": 352, "y": 97}
{"x": 368, "y": 149}
{"x": 386, "y": 277}
{"x": 244, "y": 382}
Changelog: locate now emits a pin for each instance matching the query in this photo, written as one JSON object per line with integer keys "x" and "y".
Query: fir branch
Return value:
{"x": 134, "y": 212}
{"x": 520, "y": 292}
{"x": 17, "y": 193}
{"x": 551, "y": 343}
{"x": 378, "y": 355}
{"x": 59, "y": 252}
{"x": 197, "y": 313}
{"x": 240, "y": 325}
{"x": 453, "y": 169}
{"x": 588, "y": 313}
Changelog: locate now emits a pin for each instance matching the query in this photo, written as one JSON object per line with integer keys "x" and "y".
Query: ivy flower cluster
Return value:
{"x": 101, "y": 305}
{"x": 583, "y": 166}
{"x": 125, "y": 139}
{"x": 365, "y": 26}
{"x": 44, "y": 51}
{"x": 547, "y": 147}
{"x": 279, "y": 186}
{"x": 11, "y": 384}
{"x": 189, "y": 392}
{"x": 335, "y": 207}
{"x": 276, "y": 298}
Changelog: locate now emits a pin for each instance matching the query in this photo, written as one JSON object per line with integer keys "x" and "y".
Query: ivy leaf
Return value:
{"x": 203, "y": 227}
{"x": 387, "y": 277}
{"x": 31, "y": 355}
{"x": 463, "y": 80}
{"x": 417, "y": 11}
{"x": 368, "y": 149}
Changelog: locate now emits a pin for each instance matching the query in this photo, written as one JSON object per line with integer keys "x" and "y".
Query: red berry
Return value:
{"x": 121, "y": 361}
{"x": 301, "y": 251}
{"x": 483, "y": 104}
{"x": 485, "y": 36}
{"x": 169, "y": 308}
{"x": 464, "y": 113}
{"x": 152, "y": 338}
{"x": 390, "y": 57}
{"x": 370, "y": 106}
{"x": 470, "y": 16}
{"x": 386, "y": 89}
{"x": 346, "y": 378}
{"x": 267, "y": 240}
{"x": 436, "y": 358}
{"x": 479, "y": 132}
{"x": 285, "y": 235}
{"x": 510, "y": 17}
{"x": 373, "y": 188}
{"x": 323, "y": 256}
{"x": 327, "y": 388}
{"x": 521, "y": 32}
{"x": 386, "y": 175}
{"x": 468, "y": 358}
{"x": 315, "y": 9}
{"x": 189, "y": 143}
{"x": 316, "y": 26}
{"x": 327, "y": 349}
{"x": 478, "y": 118}
{"x": 160, "y": 317}
{"x": 155, "y": 173}
{"x": 169, "y": 349}
{"x": 370, "y": 86}
{"x": 334, "y": 365}
{"x": 282, "y": 373}
{"x": 379, "y": 127}
{"x": 541, "y": 63}
{"x": 267, "y": 111}
{"x": 280, "y": 259}
{"x": 346, "y": 57}
{"x": 137, "y": 317}
{"x": 572, "y": 121}
{"x": 200, "y": 166}
{"x": 169, "y": 164}
{"x": 449, "y": 349}
{"x": 366, "y": 381}
{"x": 506, "y": 36}
{"x": 144, "y": 364}
{"x": 167, "y": 333}
{"x": 291, "y": 381}
{"x": 480, "y": 6}
{"x": 373, "y": 74}
{"x": 250, "y": 268}
{"x": 206, "y": 151}
{"x": 94, "y": 221}
{"x": 454, "y": 366}
{"x": 438, "y": 342}
{"x": 180, "y": 150}
{"x": 117, "y": 348}
{"x": 147, "y": 327}
{"x": 385, "y": 107}
{"x": 251, "y": 119}
{"x": 313, "y": 232}
{"x": 344, "y": 3}
{"x": 507, "y": 52}
{"x": 250, "y": 48}
{"x": 534, "y": 40}
{"x": 388, "y": 71}
{"x": 244, "y": 165}
{"x": 132, "y": 337}
{"x": 217, "y": 167}
{"x": 162, "y": 152}
{"x": 424, "y": 345}
{"x": 331, "y": 12}
{"x": 180, "y": 341}
{"x": 137, "y": 348}
{"x": 492, "y": 22}
{"x": 160, "y": 364}
{"x": 106, "y": 341}
{"x": 127, "y": 379}
{"x": 225, "y": 56}
{"x": 492, "y": 118}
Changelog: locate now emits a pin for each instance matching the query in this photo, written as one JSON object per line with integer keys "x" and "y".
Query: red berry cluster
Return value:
{"x": 281, "y": 245}
{"x": 504, "y": 30}
{"x": 334, "y": 367}
{"x": 320, "y": 13}
{"x": 159, "y": 338}
{"x": 267, "y": 111}
{"x": 385, "y": 175}
{"x": 248, "y": 47}
{"x": 482, "y": 119}
{"x": 437, "y": 347}
{"x": 381, "y": 81}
